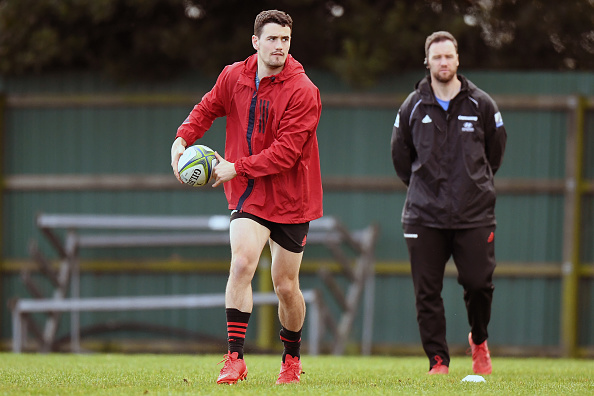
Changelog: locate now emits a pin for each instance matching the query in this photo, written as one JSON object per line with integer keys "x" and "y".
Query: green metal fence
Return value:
{"x": 78, "y": 144}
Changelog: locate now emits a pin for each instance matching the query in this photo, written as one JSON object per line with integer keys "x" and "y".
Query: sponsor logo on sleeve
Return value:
{"x": 498, "y": 119}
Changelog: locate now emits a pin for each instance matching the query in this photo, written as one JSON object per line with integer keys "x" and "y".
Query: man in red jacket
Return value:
{"x": 271, "y": 176}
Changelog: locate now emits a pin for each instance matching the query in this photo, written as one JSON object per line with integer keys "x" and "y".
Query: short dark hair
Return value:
{"x": 272, "y": 16}
{"x": 437, "y": 37}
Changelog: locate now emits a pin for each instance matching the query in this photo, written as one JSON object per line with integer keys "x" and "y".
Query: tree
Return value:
{"x": 537, "y": 34}
{"x": 359, "y": 40}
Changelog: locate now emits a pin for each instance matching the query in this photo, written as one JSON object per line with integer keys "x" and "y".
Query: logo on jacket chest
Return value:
{"x": 264, "y": 110}
{"x": 467, "y": 125}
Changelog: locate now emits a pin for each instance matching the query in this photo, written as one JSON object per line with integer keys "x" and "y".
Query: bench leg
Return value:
{"x": 314, "y": 325}
{"x": 17, "y": 331}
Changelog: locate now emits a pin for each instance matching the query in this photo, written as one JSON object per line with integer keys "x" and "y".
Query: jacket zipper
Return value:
{"x": 249, "y": 133}
{"x": 449, "y": 162}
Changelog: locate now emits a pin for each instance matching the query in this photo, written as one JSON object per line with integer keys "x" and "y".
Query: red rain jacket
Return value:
{"x": 271, "y": 138}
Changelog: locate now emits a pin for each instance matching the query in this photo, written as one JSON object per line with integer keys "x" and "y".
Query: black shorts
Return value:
{"x": 290, "y": 236}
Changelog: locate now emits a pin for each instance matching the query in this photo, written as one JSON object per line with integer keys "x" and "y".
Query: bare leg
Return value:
{"x": 285, "y": 278}
{"x": 247, "y": 241}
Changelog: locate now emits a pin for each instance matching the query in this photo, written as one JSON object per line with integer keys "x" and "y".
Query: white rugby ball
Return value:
{"x": 196, "y": 164}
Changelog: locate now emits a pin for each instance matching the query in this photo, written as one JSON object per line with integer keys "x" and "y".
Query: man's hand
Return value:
{"x": 177, "y": 149}
{"x": 223, "y": 171}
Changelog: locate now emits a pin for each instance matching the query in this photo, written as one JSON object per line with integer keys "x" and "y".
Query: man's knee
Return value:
{"x": 476, "y": 281}
{"x": 242, "y": 267}
{"x": 479, "y": 290}
{"x": 286, "y": 289}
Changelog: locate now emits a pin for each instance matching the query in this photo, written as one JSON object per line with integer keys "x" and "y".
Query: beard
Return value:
{"x": 444, "y": 79}
{"x": 275, "y": 62}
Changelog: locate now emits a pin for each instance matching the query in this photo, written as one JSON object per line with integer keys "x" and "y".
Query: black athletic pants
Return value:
{"x": 473, "y": 251}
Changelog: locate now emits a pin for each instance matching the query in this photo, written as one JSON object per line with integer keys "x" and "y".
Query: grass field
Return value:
{"x": 63, "y": 374}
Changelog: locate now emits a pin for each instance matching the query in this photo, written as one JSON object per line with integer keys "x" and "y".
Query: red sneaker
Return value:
{"x": 290, "y": 371}
{"x": 439, "y": 368}
{"x": 481, "y": 358}
{"x": 233, "y": 370}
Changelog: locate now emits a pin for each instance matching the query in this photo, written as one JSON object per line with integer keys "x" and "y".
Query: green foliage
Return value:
{"x": 359, "y": 40}
{"x": 325, "y": 375}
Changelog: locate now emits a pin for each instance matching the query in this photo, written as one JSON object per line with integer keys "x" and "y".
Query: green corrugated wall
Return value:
{"x": 135, "y": 139}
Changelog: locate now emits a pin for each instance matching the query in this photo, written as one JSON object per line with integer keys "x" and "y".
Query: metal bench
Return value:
{"x": 140, "y": 231}
{"x": 76, "y": 305}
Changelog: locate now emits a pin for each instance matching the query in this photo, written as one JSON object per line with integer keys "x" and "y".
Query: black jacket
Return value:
{"x": 448, "y": 159}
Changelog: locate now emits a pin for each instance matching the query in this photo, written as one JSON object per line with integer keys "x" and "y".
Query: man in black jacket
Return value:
{"x": 447, "y": 143}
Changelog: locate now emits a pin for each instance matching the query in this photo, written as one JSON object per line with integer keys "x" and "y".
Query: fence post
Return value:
{"x": 570, "y": 270}
{"x": 2, "y": 190}
{"x": 266, "y": 313}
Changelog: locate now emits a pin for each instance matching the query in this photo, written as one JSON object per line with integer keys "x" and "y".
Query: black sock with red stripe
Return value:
{"x": 292, "y": 342}
{"x": 237, "y": 323}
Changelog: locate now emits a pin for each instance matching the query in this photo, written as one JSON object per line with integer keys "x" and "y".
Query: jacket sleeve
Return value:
{"x": 403, "y": 150}
{"x": 495, "y": 136}
{"x": 299, "y": 122}
{"x": 204, "y": 113}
